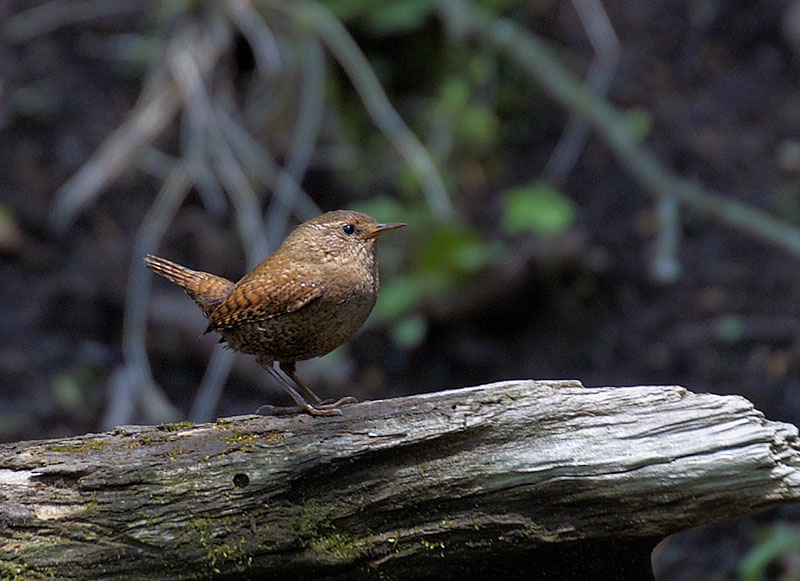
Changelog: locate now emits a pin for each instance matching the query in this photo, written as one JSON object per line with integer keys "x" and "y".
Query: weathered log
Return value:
{"x": 511, "y": 478}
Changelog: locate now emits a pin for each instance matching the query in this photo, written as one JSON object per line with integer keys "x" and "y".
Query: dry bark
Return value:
{"x": 512, "y": 479}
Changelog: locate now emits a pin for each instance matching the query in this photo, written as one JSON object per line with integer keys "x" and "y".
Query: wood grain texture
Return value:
{"x": 440, "y": 483}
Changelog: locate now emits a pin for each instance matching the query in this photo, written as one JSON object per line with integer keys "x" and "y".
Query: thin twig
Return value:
{"x": 386, "y": 118}
{"x": 302, "y": 140}
{"x": 137, "y": 374}
{"x": 204, "y": 115}
{"x": 114, "y": 156}
{"x": 187, "y": 71}
{"x": 261, "y": 164}
{"x": 158, "y": 105}
{"x": 194, "y": 147}
{"x": 210, "y": 390}
{"x": 665, "y": 268}
{"x": 538, "y": 60}
{"x": 156, "y": 163}
{"x": 40, "y": 20}
{"x": 245, "y": 200}
{"x": 601, "y": 72}
{"x": 252, "y": 25}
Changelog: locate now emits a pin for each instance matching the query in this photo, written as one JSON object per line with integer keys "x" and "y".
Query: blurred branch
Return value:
{"x": 252, "y": 25}
{"x": 194, "y": 148}
{"x": 665, "y": 268}
{"x": 28, "y": 24}
{"x": 187, "y": 72}
{"x": 355, "y": 64}
{"x": 262, "y": 164}
{"x": 155, "y": 110}
{"x": 543, "y": 64}
{"x": 601, "y": 72}
{"x": 190, "y": 57}
{"x": 302, "y": 140}
{"x": 210, "y": 389}
{"x": 127, "y": 384}
{"x": 150, "y": 116}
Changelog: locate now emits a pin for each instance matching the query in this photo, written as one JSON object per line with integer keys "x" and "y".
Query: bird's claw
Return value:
{"x": 326, "y": 408}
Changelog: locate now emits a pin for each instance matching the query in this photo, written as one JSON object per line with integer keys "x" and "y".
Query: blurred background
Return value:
{"x": 605, "y": 191}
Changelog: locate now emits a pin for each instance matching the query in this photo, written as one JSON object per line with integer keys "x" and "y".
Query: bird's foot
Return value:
{"x": 273, "y": 410}
{"x": 326, "y": 408}
{"x": 336, "y": 403}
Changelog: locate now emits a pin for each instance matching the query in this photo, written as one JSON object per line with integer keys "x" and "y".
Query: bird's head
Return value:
{"x": 339, "y": 234}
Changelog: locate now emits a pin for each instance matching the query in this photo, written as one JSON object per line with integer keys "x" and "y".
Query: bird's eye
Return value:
{"x": 348, "y": 229}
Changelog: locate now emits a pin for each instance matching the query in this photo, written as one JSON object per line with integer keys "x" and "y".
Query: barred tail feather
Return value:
{"x": 207, "y": 290}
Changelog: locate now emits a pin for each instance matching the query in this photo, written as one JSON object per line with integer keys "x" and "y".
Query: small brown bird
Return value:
{"x": 300, "y": 302}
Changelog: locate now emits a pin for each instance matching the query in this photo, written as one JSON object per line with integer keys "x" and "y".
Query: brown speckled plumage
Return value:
{"x": 302, "y": 301}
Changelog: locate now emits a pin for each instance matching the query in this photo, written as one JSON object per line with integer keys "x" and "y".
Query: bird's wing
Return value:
{"x": 267, "y": 294}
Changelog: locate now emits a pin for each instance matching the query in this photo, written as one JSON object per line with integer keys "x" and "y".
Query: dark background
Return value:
{"x": 717, "y": 82}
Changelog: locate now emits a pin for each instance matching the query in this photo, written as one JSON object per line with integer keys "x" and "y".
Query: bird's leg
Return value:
{"x": 301, "y": 405}
{"x": 289, "y": 369}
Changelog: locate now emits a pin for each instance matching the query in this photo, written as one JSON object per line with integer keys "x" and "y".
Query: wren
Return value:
{"x": 300, "y": 302}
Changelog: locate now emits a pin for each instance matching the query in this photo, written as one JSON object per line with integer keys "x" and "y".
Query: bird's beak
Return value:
{"x": 381, "y": 228}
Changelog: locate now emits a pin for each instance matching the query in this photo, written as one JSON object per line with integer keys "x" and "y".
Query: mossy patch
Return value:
{"x": 339, "y": 546}
{"x": 273, "y": 437}
{"x": 220, "y": 556}
{"x": 79, "y": 448}
{"x": 313, "y": 519}
{"x": 325, "y": 541}
{"x": 238, "y": 438}
{"x": 176, "y": 426}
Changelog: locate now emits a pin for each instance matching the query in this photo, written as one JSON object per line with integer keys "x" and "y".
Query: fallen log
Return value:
{"x": 514, "y": 479}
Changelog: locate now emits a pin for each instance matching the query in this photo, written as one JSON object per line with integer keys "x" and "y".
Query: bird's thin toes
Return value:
{"x": 313, "y": 410}
{"x": 329, "y": 403}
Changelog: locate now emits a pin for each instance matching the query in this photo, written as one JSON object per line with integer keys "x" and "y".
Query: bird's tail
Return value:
{"x": 207, "y": 290}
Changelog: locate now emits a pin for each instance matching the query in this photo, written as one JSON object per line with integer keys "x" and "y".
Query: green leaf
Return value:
{"x": 538, "y": 208}
{"x": 478, "y": 125}
{"x": 399, "y": 16}
{"x": 639, "y": 123}
{"x": 481, "y": 68}
{"x": 347, "y": 10}
{"x": 456, "y": 252}
{"x": 409, "y": 332}
{"x": 399, "y": 296}
{"x": 10, "y": 424}
{"x": 780, "y": 540}
{"x": 10, "y": 233}
{"x": 66, "y": 391}
{"x": 454, "y": 94}
{"x": 168, "y": 11}
{"x": 383, "y": 209}
{"x": 730, "y": 328}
